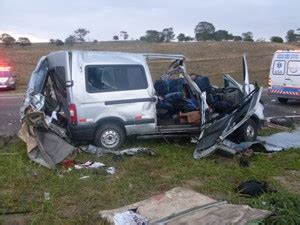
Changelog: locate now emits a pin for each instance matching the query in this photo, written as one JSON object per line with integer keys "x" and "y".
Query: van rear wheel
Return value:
{"x": 283, "y": 100}
{"x": 110, "y": 136}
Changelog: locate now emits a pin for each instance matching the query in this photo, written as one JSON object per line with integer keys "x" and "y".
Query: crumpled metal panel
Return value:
{"x": 36, "y": 83}
{"x": 215, "y": 132}
{"x": 51, "y": 149}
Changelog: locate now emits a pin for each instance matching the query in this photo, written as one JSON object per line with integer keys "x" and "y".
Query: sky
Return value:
{"x": 41, "y": 20}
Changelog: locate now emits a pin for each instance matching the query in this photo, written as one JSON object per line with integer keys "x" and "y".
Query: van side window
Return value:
{"x": 294, "y": 68}
{"x": 107, "y": 78}
{"x": 278, "y": 67}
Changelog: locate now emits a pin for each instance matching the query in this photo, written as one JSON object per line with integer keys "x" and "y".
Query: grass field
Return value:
{"x": 74, "y": 201}
{"x": 207, "y": 58}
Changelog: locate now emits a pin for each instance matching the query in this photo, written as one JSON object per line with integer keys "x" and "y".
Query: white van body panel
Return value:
{"x": 284, "y": 77}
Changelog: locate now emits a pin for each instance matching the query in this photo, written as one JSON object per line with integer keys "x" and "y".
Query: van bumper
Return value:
{"x": 82, "y": 132}
{"x": 284, "y": 92}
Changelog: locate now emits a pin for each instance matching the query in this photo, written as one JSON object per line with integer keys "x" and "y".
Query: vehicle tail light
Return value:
{"x": 73, "y": 113}
{"x": 270, "y": 83}
{"x": 5, "y": 68}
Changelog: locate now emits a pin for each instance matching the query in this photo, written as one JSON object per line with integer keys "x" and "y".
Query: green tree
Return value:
{"x": 290, "y": 36}
{"x": 124, "y": 34}
{"x": 297, "y": 34}
{"x": 204, "y": 31}
{"x": 167, "y": 34}
{"x": 4, "y": 35}
{"x": 276, "y": 39}
{"x": 23, "y": 41}
{"x": 247, "y": 36}
{"x": 59, "y": 42}
{"x": 8, "y": 40}
{"x": 237, "y": 38}
{"x": 188, "y": 38}
{"x": 115, "y": 37}
{"x": 180, "y": 37}
{"x": 80, "y": 34}
{"x": 70, "y": 40}
{"x": 152, "y": 36}
{"x": 221, "y": 35}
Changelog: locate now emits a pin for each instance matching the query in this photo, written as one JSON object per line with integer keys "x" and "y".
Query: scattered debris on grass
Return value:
{"x": 185, "y": 206}
{"x": 129, "y": 152}
{"x": 46, "y": 196}
{"x": 281, "y": 141}
{"x": 89, "y": 165}
{"x": 111, "y": 170}
{"x": 130, "y": 217}
{"x": 83, "y": 177}
{"x": 283, "y": 121}
{"x": 252, "y": 188}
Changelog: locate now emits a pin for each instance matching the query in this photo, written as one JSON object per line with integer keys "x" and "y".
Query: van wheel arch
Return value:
{"x": 110, "y": 134}
{"x": 283, "y": 100}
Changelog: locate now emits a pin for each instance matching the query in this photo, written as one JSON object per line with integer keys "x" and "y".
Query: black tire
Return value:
{"x": 283, "y": 100}
{"x": 110, "y": 136}
{"x": 248, "y": 131}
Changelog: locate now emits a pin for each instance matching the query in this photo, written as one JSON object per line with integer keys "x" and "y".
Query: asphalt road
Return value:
{"x": 10, "y": 114}
{"x": 10, "y": 111}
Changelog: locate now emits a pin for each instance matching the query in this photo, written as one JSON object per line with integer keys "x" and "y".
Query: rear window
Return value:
{"x": 107, "y": 78}
{"x": 278, "y": 67}
{"x": 294, "y": 68}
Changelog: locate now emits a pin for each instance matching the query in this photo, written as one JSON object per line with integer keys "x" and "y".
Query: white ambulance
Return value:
{"x": 284, "y": 78}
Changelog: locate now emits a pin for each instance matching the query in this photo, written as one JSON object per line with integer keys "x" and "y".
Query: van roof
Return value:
{"x": 292, "y": 51}
{"x": 117, "y": 57}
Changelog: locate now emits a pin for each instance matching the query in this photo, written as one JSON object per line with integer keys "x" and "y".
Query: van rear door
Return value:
{"x": 292, "y": 78}
{"x": 285, "y": 74}
{"x": 277, "y": 70}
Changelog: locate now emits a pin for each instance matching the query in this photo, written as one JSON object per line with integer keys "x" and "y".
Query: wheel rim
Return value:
{"x": 110, "y": 138}
{"x": 250, "y": 132}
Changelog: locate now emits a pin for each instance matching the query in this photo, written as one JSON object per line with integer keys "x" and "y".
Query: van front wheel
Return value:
{"x": 110, "y": 136}
{"x": 283, "y": 100}
{"x": 248, "y": 131}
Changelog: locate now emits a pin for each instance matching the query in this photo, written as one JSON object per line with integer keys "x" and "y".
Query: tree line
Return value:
{"x": 9, "y": 40}
{"x": 203, "y": 31}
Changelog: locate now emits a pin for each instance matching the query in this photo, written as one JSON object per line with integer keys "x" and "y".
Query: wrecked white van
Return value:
{"x": 105, "y": 97}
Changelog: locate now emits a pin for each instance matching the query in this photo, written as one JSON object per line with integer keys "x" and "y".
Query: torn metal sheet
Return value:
{"x": 38, "y": 78}
{"x": 219, "y": 128}
{"x": 281, "y": 141}
{"x": 185, "y": 206}
{"x": 51, "y": 149}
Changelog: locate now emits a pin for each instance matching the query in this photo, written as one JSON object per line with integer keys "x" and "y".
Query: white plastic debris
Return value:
{"x": 89, "y": 165}
{"x": 111, "y": 170}
{"x": 46, "y": 196}
{"x": 84, "y": 177}
{"x": 130, "y": 218}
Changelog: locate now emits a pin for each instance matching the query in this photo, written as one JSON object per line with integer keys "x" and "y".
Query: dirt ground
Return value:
{"x": 291, "y": 181}
{"x": 206, "y": 58}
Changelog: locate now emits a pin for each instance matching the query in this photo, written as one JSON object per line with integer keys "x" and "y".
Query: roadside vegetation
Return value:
{"x": 212, "y": 59}
{"x": 23, "y": 184}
